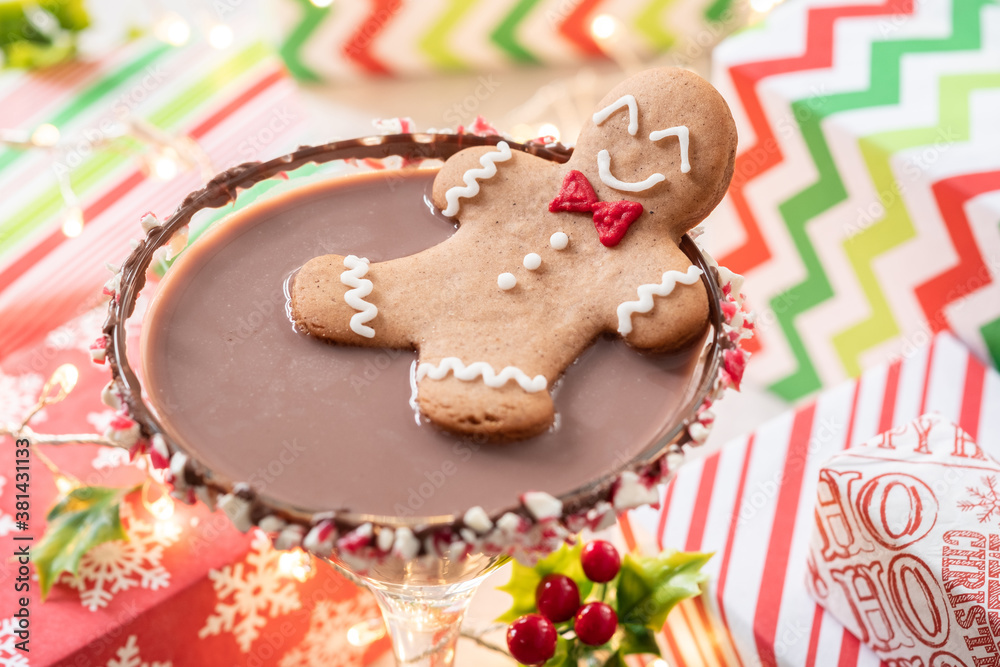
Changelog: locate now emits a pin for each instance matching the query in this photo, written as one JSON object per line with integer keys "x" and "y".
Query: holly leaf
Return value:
{"x": 86, "y": 517}
{"x": 638, "y": 639}
{"x": 616, "y": 659}
{"x": 649, "y": 587}
{"x": 524, "y": 580}
{"x": 564, "y": 655}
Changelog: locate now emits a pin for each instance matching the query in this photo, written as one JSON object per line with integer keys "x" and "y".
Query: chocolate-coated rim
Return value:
{"x": 223, "y": 189}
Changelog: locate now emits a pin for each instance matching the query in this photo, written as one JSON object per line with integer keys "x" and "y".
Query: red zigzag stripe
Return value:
{"x": 358, "y": 47}
{"x": 766, "y": 152}
{"x": 576, "y": 28}
{"x": 970, "y": 273}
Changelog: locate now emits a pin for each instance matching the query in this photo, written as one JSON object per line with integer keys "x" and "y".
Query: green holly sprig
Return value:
{"x": 630, "y": 608}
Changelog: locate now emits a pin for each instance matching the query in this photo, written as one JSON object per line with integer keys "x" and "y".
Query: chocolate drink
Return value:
{"x": 328, "y": 427}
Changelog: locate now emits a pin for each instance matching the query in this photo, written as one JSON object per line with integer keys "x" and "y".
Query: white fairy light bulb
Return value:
{"x": 296, "y": 564}
{"x": 604, "y": 27}
{"x": 45, "y": 135}
{"x": 72, "y": 225}
{"x": 165, "y": 167}
{"x": 366, "y": 632}
{"x": 322, "y": 3}
{"x": 162, "y": 508}
{"x": 220, "y": 36}
{"x": 173, "y": 29}
{"x": 548, "y": 130}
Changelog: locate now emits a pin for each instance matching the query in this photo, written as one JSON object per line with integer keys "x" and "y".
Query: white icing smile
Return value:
{"x": 604, "y": 170}
{"x": 481, "y": 369}
{"x": 355, "y": 298}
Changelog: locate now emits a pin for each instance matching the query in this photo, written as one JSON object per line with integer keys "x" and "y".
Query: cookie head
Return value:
{"x": 664, "y": 138}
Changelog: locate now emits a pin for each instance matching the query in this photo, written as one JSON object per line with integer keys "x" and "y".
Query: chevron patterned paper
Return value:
{"x": 865, "y": 206}
{"x": 401, "y": 37}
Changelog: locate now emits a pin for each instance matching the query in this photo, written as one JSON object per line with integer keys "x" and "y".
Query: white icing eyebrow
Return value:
{"x": 682, "y": 133}
{"x": 604, "y": 171}
{"x": 633, "y": 112}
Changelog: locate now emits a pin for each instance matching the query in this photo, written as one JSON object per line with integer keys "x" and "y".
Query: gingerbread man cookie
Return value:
{"x": 547, "y": 257}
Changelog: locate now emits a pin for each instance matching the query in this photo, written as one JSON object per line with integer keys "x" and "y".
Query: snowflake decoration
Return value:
{"x": 9, "y": 655}
{"x": 128, "y": 656}
{"x": 79, "y": 333}
{"x": 112, "y": 567}
{"x": 326, "y": 642}
{"x": 985, "y": 502}
{"x": 18, "y": 394}
{"x": 248, "y": 590}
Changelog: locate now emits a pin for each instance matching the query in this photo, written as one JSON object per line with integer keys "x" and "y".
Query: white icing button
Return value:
{"x": 532, "y": 261}
{"x": 559, "y": 240}
{"x": 506, "y": 281}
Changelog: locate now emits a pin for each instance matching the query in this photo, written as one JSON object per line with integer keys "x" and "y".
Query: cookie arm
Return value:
{"x": 658, "y": 322}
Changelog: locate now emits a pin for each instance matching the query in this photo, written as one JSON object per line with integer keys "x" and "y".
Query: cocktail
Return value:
{"x": 332, "y": 447}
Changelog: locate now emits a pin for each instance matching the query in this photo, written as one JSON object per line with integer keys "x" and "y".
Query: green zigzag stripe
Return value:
{"x": 291, "y": 48}
{"x": 435, "y": 41}
{"x": 650, "y": 22}
{"x": 953, "y": 126}
{"x": 829, "y": 190}
{"x": 505, "y": 35}
{"x": 718, "y": 11}
{"x": 991, "y": 334}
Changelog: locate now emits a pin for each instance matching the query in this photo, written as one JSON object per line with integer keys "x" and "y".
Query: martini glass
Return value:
{"x": 423, "y": 598}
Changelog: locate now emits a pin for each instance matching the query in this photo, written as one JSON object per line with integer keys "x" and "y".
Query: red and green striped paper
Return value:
{"x": 238, "y": 104}
{"x": 400, "y": 37}
{"x": 865, "y": 207}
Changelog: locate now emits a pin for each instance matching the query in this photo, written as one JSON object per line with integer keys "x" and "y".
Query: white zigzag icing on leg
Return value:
{"x": 355, "y": 298}
{"x": 472, "y": 177}
{"x": 481, "y": 369}
{"x": 646, "y": 292}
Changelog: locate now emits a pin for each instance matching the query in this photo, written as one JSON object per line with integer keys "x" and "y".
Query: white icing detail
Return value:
{"x": 681, "y": 132}
{"x": 604, "y": 170}
{"x": 559, "y": 240}
{"x": 532, "y": 261}
{"x": 632, "y": 493}
{"x": 509, "y": 523}
{"x": 506, "y": 281}
{"x": 633, "y": 112}
{"x": 355, "y": 298}
{"x": 646, "y": 292}
{"x": 478, "y": 520}
{"x": 472, "y": 177}
{"x": 406, "y": 545}
{"x": 482, "y": 369}
{"x": 542, "y": 505}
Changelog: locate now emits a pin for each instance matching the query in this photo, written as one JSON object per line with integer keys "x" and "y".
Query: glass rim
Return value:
{"x": 223, "y": 189}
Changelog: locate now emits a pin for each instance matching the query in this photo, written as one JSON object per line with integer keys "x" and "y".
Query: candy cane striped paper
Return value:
{"x": 238, "y": 104}
{"x": 752, "y": 504}
{"x": 864, "y": 206}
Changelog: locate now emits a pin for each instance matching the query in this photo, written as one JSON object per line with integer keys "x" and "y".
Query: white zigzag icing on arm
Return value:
{"x": 472, "y": 177}
{"x": 355, "y": 298}
{"x": 481, "y": 369}
{"x": 646, "y": 293}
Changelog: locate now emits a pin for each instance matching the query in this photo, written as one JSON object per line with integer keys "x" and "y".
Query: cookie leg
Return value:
{"x": 470, "y": 407}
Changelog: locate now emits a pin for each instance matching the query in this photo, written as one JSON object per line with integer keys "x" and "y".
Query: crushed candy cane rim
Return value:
{"x": 534, "y": 526}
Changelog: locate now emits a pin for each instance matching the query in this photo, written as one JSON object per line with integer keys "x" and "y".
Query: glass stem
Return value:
{"x": 424, "y": 621}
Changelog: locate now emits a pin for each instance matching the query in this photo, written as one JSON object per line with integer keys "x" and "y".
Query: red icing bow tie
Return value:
{"x": 611, "y": 218}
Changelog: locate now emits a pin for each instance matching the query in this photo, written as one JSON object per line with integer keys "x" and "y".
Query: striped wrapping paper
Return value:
{"x": 752, "y": 504}
{"x": 865, "y": 206}
{"x": 401, "y": 37}
{"x": 238, "y": 104}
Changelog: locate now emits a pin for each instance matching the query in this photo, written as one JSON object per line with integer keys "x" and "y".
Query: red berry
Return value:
{"x": 601, "y": 561}
{"x": 595, "y": 623}
{"x": 557, "y": 597}
{"x": 531, "y": 639}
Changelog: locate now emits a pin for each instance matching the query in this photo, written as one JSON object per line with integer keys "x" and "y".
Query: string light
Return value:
{"x": 72, "y": 225}
{"x": 64, "y": 484}
{"x": 172, "y": 29}
{"x": 659, "y": 662}
{"x": 164, "y": 165}
{"x": 220, "y": 36}
{"x": 604, "y": 27}
{"x": 366, "y": 632}
{"x": 322, "y": 3}
{"x": 45, "y": 135}
{"x": 296, "y": 564}
{"x": 63, "y": 380}
{"x": 548, "y": 130}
